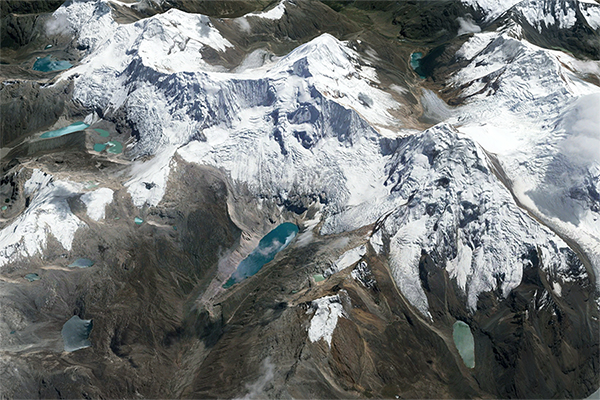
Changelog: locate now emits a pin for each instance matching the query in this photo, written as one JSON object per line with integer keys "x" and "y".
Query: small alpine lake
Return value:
{"x": 415, "y": 63}
{"x": 463, "y": 339}
{"x": 47, "y": 64}
{"x": 75, "y": 127}
{"x": 268, "y": 247}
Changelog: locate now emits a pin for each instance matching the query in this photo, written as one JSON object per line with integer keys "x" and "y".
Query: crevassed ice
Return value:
{"x": 541, "y": 122}
{"x": 298, "y": 109}
{"x": 449, "y": 204}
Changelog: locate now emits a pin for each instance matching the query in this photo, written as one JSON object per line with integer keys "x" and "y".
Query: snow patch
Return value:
{"x": 149, "y": 178}
{"x": 350, "y": 257}
{"x": 557, "y": 288}
{"x": 327, "y": 311}
{"x": 346, "y": 260}
{"x": 274, "y": 13}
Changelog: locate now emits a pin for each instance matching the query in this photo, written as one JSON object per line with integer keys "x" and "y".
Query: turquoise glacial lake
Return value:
{"x": 115, "y": 147}
{"x": 102, "y": 132}
{"x": 273, "y": 242}
{"x": 47, "y": 64}
{"x": 415, "y": 63}
{"x": 32, "y": 277}
{"x": 82, "y": 263}
{"x": 77, "y": 126}
{"x": 76, "y": 333}
{"x": 465, "y": 343}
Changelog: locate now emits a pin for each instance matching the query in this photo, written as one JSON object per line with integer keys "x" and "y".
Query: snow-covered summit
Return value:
{"x": 519, "y": 98}
{"x": 449, "y": 203}
{"x": 491, "y": 8}
{"x": 48, "y": 213}
{"x": 274, "y": 13}
{"x": 171, "y": 97}
{"x": 540, "y": 14}
{"x": 548, "y": 13}
{"x": 306, "y": 126}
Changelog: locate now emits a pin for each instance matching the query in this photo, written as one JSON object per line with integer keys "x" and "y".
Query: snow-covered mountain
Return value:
{"x": 502, "y": 196}
{"x": 287, "y": 107}
{"x": 306, "y": 125}
{"x": 542, "y": 13}
{"x": 556, "y": 24}
{"x": 534, "y": 108}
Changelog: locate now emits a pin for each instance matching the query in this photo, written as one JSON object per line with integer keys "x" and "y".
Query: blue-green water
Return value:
{"x": 82, "y": 263}
{"x": 99, "y": 147}
{"x": 77, "y": 126}
{"x": 463, "y": 339}
{"x": 32, "y": 277}
{"x": 46, "y": 64}
{"x": 138, "y": 220}
{"x": 115, "y": 147}
{"x": 102, "y": 132}
{"x": 275, "y": 241}
{"x": 76, "y": 333}
{"x": 415, "y": 63}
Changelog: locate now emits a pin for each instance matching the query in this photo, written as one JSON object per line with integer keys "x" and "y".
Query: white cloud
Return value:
{"x": 467, "y": 25}
{"x": 256, "y": 390}
{"x": 582, "y": 125}
{"x": 58, "y": 24}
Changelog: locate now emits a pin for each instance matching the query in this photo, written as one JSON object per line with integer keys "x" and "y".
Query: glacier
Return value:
{"x": 47, "y": 213}
{"x": 315, "y": 124}
{"x": 528, "y": 107}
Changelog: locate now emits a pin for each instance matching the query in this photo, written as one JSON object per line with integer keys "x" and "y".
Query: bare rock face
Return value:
{"x": 18, "y": 20}
{"x": 28, "y": 107}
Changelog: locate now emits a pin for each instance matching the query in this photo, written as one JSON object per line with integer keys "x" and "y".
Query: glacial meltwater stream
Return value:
{"x": 275, "y": 241}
